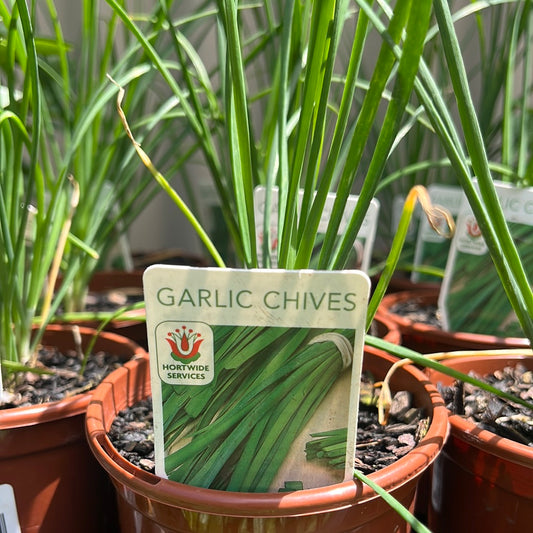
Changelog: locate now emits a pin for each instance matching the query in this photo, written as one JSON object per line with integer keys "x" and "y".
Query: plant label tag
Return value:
{"x": 472, "y": 298}
{"x": 9, "y": 522}
{"x": 248, "y": 367}
{"x": 362, "y": 248}
{"x": 431, "y": 248}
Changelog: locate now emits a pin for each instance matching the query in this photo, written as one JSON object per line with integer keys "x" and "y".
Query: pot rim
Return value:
{"x": 302, "y": 502}
{"x": 468, "y": 431}
{"x": 74, "y": 405}
{"x": 392, "y": 332}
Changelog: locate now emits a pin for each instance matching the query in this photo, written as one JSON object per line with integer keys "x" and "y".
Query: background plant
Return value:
{"x": 505, "y": 112}
{"x": 70, "y": 182}
{"x": 493, "y": 38}
{"x": 35, "y": 203}
{"x": 84, "y": 136}
{"x": 297, "y": 146}
{"x": 485, "y": 203}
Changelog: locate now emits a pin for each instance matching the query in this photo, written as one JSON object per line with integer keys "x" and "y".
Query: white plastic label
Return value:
{"x": 248, "y": 363}
{"x": 472, "y": 297}
{"x": 9, "y": 522}
{"x": 363, "y": 246}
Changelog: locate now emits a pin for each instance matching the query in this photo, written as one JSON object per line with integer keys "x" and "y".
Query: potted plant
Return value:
{"x": 43, "y": 452}
{"x": 470, "y": 445}
{"x": 302, "y": 87}
{"x": 297, "y": 226}
{"x": 489, "y": 472}
{"x": 503, "y": 119}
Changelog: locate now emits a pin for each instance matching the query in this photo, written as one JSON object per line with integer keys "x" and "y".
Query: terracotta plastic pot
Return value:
{"x": 148, "y": 503}
{"x": 399, "y": 283}
{"x": 133, "y": 323}
{"x": 44, "y": 455}
{"x": 481, "y": 482}
{"x": 386, "y": 329}
{"x": 425, "y": 338}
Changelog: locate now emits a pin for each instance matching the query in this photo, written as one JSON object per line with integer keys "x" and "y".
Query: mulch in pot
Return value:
{"x": 505, "y": 418}
{"x": 65, "y": 379}
{"x": 112, "y": 300}
{"x": 416, "y": 312}
{"x": 378, "y": 445}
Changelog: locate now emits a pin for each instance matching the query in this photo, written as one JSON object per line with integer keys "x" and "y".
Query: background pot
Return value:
{"x": 481, "y": 482}
{"x": 425, "y": 338}
{"x": 44, "y": 455}
{"x": 130, "y": 284}
{"x": 148, "y": 503}
{"x": 120, "y": 284}
{"x": 386, "y": 329}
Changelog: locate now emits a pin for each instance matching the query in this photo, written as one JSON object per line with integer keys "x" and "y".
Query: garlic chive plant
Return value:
{"x": 69, "y": 180}
{"x": 300, "y": 127}
{"x": 278, "y": 107}
{"x": 493, "y": 38}
{"x": 85, "y": 138}
{"x": 35, "y": 203}
{"x": 465, "y": 146}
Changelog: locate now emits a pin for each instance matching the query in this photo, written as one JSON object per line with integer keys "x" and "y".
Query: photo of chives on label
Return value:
{"x": 245, "y": 366}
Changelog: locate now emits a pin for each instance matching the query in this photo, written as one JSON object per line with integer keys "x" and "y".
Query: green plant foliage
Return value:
{"x": 284, "y": 106}
{"x": 70, "y": 184}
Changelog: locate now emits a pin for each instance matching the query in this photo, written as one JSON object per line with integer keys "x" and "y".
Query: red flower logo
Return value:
{"x": 473, "y": 228}
{"x": 184, "y": 344}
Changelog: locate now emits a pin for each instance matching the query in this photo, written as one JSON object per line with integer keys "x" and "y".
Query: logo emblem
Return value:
{"x": 185, "y": 352}
{"x": 184, "y": 344}
{"x": 473, "y": 228}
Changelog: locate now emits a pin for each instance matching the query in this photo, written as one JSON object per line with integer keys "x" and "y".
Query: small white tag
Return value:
{"x": 9, "y": 522}
{"x": 362, "y": 248}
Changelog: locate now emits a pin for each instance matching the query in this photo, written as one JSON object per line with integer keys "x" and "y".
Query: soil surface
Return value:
{"x": 414, "y": 311}
{"x": 377, "y": 446}
{"x": 63, "y": 381}
{"x": 488, "y": 411}
{"x": 112, "y": 300}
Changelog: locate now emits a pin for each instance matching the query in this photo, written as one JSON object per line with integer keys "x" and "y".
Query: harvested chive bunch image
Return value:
{"x": 329, "y": 446}
{"x": 477, "y": 302}
{"x": 235, "y": 433}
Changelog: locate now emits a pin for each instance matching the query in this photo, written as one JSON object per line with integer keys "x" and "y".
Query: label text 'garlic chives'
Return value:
{"x": 245, "y": 299}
